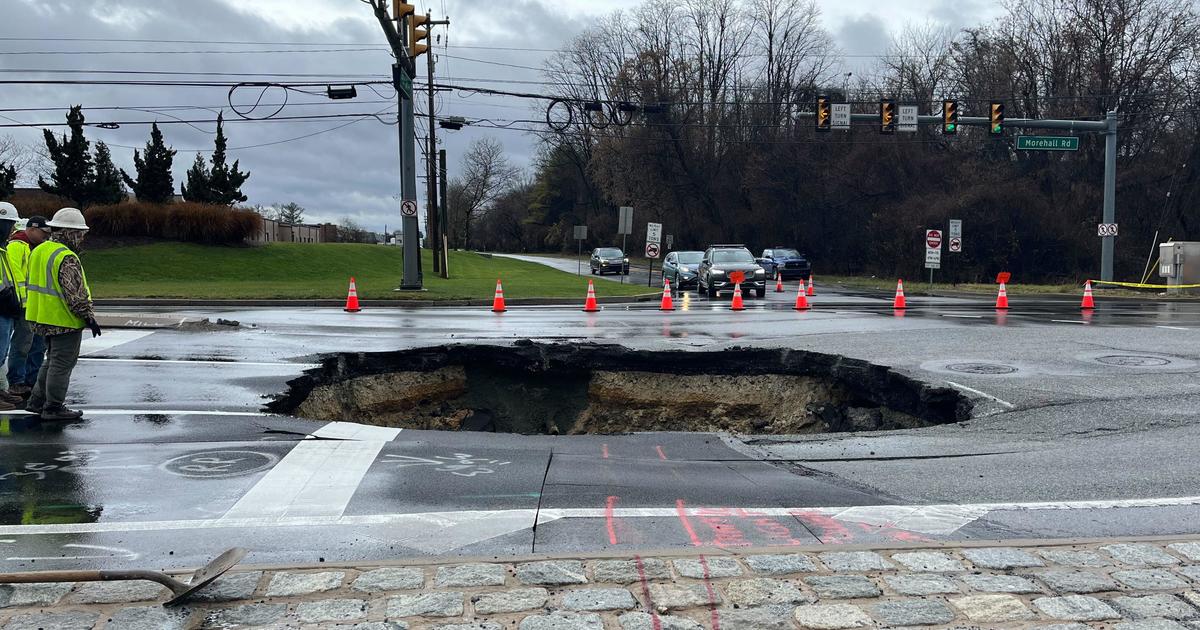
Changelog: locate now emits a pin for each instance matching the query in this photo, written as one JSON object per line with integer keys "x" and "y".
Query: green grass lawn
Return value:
{"x": 311, "y": 271}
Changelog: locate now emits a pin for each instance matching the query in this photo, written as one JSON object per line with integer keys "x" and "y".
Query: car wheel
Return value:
{"x": 760, "y": 293}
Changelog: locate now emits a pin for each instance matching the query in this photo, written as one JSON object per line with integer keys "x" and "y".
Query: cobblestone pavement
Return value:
{"x": 1126, "y": 585}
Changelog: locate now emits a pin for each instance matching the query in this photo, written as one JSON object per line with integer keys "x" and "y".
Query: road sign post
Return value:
{"x": 580, "y": 236}
{"x": 653, "y": 237}
{"x": 933, "y": 252}
{"x": 955, "y": 243}
{"x": 624, "y": 228}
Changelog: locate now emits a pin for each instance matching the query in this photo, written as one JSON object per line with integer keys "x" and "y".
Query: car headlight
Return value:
{"x": 603, "y": 261}
{"x": 685, "y": 269}
{"x": 626, "y": 260}
{"x": 760, "y": 272}
{"x": 716, "y": 272}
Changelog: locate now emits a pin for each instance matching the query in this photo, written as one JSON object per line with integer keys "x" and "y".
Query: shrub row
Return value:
{"x": 184, "y": 221}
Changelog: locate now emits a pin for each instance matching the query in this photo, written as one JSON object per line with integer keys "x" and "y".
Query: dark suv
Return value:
{"x": 787, "y": 262}
{"x": 720, "y": 261}
{"x": 609, "y": 259}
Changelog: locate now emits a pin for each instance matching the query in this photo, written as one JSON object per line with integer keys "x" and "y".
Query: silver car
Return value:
{"x": 681, "y": 268}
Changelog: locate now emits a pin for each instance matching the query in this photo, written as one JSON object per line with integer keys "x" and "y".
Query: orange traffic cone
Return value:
{"x": 589, "y": 305}
{"x": 667, "y": 303}
{"x": 737, "y": 298}
{"x": 498, "y": 301}
{"x": 801, "y": 299}
{"x": 352, "y": 299}
{"x": 1088, "y": 302}
{"x": 812, "y": 286}
{"x": 898, "y": 303}
{"x": 1002, "y": 298}
{"x": 778, "y": 282}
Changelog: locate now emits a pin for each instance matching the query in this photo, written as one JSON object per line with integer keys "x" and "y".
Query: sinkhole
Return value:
{"x": 584, "y": 388}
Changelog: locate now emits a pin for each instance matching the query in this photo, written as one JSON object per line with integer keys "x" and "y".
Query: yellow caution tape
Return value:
{"x": 1139, "y": 285}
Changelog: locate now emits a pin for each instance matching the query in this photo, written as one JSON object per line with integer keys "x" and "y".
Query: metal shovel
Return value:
{"x": 181, "y": 590}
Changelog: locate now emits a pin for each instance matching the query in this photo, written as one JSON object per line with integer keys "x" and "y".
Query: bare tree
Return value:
{"x": 486, "y": 173}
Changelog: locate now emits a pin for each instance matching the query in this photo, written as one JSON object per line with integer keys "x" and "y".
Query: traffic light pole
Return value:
{"x": 1108, "y": 127}
{"x": 411, "y": 229}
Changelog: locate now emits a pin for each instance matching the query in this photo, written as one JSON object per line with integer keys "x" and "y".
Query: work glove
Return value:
{"x": 94, "y": 327}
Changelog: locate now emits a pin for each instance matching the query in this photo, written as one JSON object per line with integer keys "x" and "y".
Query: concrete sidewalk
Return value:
{"x": 1147, "y": 584}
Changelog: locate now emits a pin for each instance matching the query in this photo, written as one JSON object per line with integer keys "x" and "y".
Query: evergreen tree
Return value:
{"x": 222, "y": 183}
{"x": 73, "y": 173}
{"x": 8, "y": 180}
{"x": 154, "y": 182}
{"x": 106, "y": 187}
{"x": 226, "y": 181}
{"x": 197, "y": 188}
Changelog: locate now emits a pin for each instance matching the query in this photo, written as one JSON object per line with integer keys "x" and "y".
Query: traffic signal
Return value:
{"x": 416, "y": 34}
{"x": 887, "y": 116}
{"x": 824, "y": 114}
{"x": 996, "y": 119}
{"x": 401, "y": 10}
{"x": 949, "y": 117}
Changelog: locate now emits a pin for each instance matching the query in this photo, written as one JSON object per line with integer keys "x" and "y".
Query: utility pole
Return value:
{"x": 405, "y": 48}
{"x": 445, "y": 214}
{"x": 432, "y": 223}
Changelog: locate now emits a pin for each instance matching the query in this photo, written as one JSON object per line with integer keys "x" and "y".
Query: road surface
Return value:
{"x": 1085, "y": 425}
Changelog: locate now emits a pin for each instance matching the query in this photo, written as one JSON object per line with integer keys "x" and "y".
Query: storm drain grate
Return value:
{"x": 1133, "y": 360}
{"x": 981, "y": 368}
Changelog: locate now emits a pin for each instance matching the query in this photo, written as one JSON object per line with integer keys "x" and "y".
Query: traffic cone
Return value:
{"x": 352, "y": 299}
{"x": 667, "y": 303}
{"x": 801, "y": 299}
{"x": 589, "y": 305}
{"x": 1088, "y": 302}
{"x": 737, "y": 298}
{"x": 812, "y": 286}
{"x": 498, "y": 301}
{"x": 898, "y": 303}
{"x": 1002, "y": 298}
{"x": 778, "y": 282}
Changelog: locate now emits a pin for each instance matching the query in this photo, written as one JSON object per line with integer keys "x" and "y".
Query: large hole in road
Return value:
{"x": 588, "y": 388}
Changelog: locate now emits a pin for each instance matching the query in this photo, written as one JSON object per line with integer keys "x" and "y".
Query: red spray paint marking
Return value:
{"x": 834, "y": 532}
{"x": 604, "y": 451}
{"x": 608, "y": 520}
{"x": 727, "y": 534}
{"x": 641, "y": 568}
{"x": 712, "y": 600}
{"x": 687, "y": 525}
{"x": 661, "y": 454}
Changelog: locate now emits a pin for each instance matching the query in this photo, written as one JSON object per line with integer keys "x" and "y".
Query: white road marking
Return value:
{"x": 111, "y": 339}
{"x": 1173, "y": 327}
{"x": 986, "y": 395}
{"x": 1068, "y": 321}
{"x": 317, "y": 477}
{"x": 963, "y": 316}
{"x": 926, "y": 519}
{"x": 301, "y": 366}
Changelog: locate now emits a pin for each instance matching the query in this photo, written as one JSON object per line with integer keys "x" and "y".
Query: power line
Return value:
{"x": 190, "y": 52}
{"x": 183, "y": 73}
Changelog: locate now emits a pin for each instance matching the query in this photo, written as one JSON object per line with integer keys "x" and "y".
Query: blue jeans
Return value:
{"x": 25, "y": 354}
{"x": 6, "y": 331}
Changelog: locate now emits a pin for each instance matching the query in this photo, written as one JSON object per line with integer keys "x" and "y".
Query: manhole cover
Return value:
{"x": 981, "y": 368}
{"x": 1133, "y": 360}
{"x": 211, "y": 464}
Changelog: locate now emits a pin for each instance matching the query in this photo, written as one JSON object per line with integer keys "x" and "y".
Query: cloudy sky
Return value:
{"x": 335, "y": 167}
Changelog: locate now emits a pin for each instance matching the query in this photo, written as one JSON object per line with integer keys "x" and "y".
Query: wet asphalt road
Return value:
{"x": 1084, "y": 426}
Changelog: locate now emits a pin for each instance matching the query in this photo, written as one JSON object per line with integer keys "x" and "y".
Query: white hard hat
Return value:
{"x": 8, "y": 212}
{"x": 68, "y": 219}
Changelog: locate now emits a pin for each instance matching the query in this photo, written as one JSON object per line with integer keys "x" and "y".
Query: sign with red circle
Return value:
{"x": 933, "y": 239}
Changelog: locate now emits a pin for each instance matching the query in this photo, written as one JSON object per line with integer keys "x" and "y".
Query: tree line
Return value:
{"x": 87, "y": 176}
{"x": 727, "y": 152}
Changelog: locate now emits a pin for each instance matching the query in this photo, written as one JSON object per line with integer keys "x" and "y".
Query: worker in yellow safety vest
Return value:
{"x": 27, "y": 350}
{"x": 59, "y": 307}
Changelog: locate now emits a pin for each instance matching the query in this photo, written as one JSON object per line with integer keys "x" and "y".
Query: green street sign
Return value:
{"x": 1047, "y": 143}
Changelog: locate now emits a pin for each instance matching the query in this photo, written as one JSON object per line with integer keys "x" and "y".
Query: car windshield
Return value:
{"x": 786, "y": 253}
{"x": 732, "y": 256}
{"x": 609, "y": 252}
{"x": 690, "y": 258}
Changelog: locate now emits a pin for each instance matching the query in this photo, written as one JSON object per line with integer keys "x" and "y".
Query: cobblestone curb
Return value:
{"x": 1107, "y": 584}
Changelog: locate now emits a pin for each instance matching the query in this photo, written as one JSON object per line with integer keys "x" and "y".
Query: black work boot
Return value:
{"x": 60, "y": 412}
